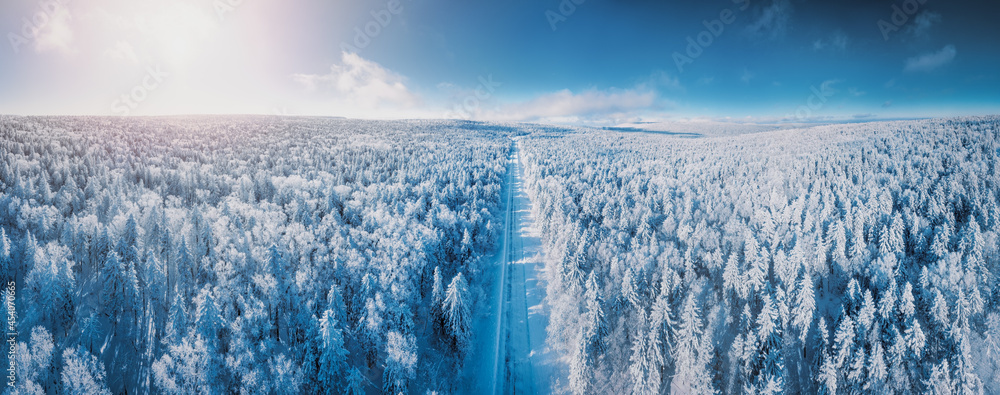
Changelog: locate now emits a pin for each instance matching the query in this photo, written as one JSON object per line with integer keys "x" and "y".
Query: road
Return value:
{"x": 511, "y": 355}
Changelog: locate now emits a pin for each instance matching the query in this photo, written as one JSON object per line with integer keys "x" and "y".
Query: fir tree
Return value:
{"x": 333, "y": 356}
{"x": 457, "y": 314}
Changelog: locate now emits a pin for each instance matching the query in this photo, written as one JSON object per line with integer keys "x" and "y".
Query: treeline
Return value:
{"x": 245, "y": 254}
{"x": 836, "y": 259}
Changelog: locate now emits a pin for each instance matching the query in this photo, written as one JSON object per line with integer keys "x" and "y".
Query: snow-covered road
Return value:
{"x": 511, "y": 356}
{"x": 531, "y": 364}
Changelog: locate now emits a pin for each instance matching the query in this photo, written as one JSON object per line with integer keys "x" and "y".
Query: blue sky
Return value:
{"x": 590, "y": 61}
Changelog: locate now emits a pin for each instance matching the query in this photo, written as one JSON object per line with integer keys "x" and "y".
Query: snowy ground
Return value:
{"x": 511, "y": 356}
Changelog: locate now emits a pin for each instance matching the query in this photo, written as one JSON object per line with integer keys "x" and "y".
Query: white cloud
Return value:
{"x": 357, "y": 87}
{"x": 55, "y": 34}
{"x": 361, "y": 81}
{"x": 772, "y": 20}
{"x": 583, "y": 107}
{"x": 747, "y": 76}
{"x": 930, "y": 61}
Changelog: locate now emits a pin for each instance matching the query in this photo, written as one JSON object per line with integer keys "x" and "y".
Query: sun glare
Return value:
{"x": 170, "y": 32}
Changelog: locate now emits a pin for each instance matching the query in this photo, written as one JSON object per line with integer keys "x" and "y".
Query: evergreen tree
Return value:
{"x": 940, "y": 381}
{"x": 966, "y": 380}
{"x": 209, "y": 322}
{"x": 940, "y": 244}
{"x": 838, "y": 248}
{"x": 186, "y": 283}
{"x": 369, "y": 287}
{"x": 457, "y": 314}
{"x": 131, "y": 296}
{"x": 114, "y": 287}
{"x": 878, "y": 371}
{"x": 335, "y": 301}
{"x": 758, "y": 265}
{"x": 102, "y": 246}
{"x": 91, "y": 334}
{"x": 895, "y": 237}
{"x": 311, "y": 350}
{"x": 856, "y": 369}
{"x": 127, "y": 247}
{"x": 596, "y": 328}
{"x": 333, "y": 356}
{"x": 745, "y": 349}
{"x": 731, "y": 278}
{"x": 437, "y": 301}
{"x": 939, "y": 312}
{"x": 580, "y": 367}
{"x": 805, "y": 305}
{"x": 644, "y": 380}
{"x": 843, "y": 341}
{"x": 771, "y": 362}
{"x": 64, "y": 295}
{"x": 827, "y": 377}
{"x": 156, "y": 289}
{"x": 629, "y": 293}
{"x": 973, "y": 245}
{"x": 915, "y": 340}
{"x": 177, "y": 319}
{"x": 691, "y": 375}
{"x": 907, "y": 308}
{"x": 887, "y": 304}
{"x": 898, "y": 374}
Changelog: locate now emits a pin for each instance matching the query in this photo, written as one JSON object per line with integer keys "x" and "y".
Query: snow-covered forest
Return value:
{"x": 259, "y": 254}
{"x": 245, "y": 255}
{"x": 857, "y": 258}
